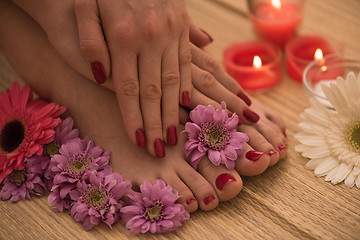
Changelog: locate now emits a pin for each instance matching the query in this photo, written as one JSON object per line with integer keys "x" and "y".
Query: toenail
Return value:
{"x": 272, "y": 152}
{"x": 190, "y": 200}
{"x": 241, "y": 121}
{"x": 159, "y": 148}
{"x": 223, "y": 179}
{"x": 282, "y": 147}
{"x": 254, "y": 155}
{"x": 208, "y": 199}
{"x": 250, "y": 115}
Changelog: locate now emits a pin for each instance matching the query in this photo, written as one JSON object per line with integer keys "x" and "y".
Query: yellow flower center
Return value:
{"x": 17, "y": 177}
{"x": 79, "y": 163}
{"x": 214, "y": 136}
{"x": 11, "y": 136}
{"x": 52, "y": 148}
{"x": 96, "y": 197}
{"x": 155, "y": 212}
{"x": 352, "y": 136}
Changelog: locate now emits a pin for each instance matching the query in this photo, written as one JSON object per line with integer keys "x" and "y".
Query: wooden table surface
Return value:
{"x": 285, "y": 202}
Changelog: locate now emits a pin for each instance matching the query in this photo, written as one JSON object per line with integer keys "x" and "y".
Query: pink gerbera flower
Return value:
{"x": 214, "y": 132}
{"x": 76, "y": 160}
{"x": 99, "y": 200}
{"x": 21, "y": 183}
{"x": 154, "y": 210}
{"x": 25, "y": 125}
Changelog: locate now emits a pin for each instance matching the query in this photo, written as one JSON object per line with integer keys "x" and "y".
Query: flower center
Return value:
{"x": 96, "y": 197}
{"x": 78, "y": 164}
{"x": 352, "y": 136}
{"x": 52, "y": 148}
{"x": 155, "y": 212}
{"x": 214, "y": 136}
{"x": 12, "y": 135}
{"x": 18, "y": 177}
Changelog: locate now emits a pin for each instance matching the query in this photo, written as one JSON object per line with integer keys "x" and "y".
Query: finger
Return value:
{"x": 198, "y": 36}
{"x": 91, "y": 39}
{"x": 185, "y": 69}
{"x": 150, "y": 100}
{"x": 183, "y": 116}
{"x": 170, "y": 84}
{"x": 209, "y": 64}
{"x": 126, "y": 86}
{"x": 207, "y": 84}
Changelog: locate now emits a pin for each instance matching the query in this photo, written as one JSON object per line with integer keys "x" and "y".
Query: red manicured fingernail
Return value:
{"x": 282, "y": 147}
{"x": 159, "y": 148}
{"x": 241, "y": 121}
{"x": 250, "y": 115}
{"x": 223, "y": 179}
{"x": 272, "y": 152}
{"x": 190, "y": 200}
{"x": 208, "y": 199}
{"x": 98, "y": 72}
{"x": 254, "y": 155}
{"x": 207, "y": 34}
{"x": 140, "y": 138}
{"x": 171, "y": 136}
{"x": 186, "y": 99}
{"x": 244, "y": 97}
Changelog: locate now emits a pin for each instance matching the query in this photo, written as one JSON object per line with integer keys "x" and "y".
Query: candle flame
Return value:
{"x": 257, "y": 62}
{"x": 318, "y": 54}
{"x": 276, "y": 3}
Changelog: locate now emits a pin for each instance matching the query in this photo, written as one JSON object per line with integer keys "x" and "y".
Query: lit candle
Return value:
{"x": 302, "y": 50}
{"x": 276, "y": 21}
{"x": 255, "y": 65}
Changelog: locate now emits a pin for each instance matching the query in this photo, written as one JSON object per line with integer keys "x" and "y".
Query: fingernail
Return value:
{"x": 98, "y": 72}
{"x": 244, "y": 97}
{"x": 250, "y": 115}
{"x": 272, "y": 152}
{"x": 241, "y": 121}
{"x": 186, "y": 99}
{"x": 190, "y": 200}
{"x": 140, "y": 138}
{"x": 254, "y": 155}
{"x": 159, "y": 148}
{"x": 223, "y": 179}
{"x": 208, "y": 199}
{"x": 282, "y": 147}
{"x": 207, "y": 34}
{"x": 171, "y": 136}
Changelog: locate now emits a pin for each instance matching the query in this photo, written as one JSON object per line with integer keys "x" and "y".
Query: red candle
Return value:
{"x": 301, "y": 51}
{"x": 276, "y": 21}
{"x": 255, "y": 65}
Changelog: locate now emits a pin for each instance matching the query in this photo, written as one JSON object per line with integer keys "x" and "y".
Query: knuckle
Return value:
{"x": 129, "y": 88}
{"x": 122, "y": 31}
{"x": 185, "y": 57}
{"x": 170, "y": 79}
{"x": 151, "y": 91}
{"x": 88, "y": 44}
{"x": 210, "y": 64}
{"x": 152, "y": 29}
{"x": 207, "y": 80}
{"x": 154, "y": 126}
{"x": 172, "y": 113}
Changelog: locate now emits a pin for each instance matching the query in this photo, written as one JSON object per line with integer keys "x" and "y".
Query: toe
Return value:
{"x": 227, "y": 183}
{"x": 204, "y": 192}
{"x": 252, "y": 162}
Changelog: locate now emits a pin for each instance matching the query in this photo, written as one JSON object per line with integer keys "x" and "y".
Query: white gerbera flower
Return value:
{"x": 331, "y": 139}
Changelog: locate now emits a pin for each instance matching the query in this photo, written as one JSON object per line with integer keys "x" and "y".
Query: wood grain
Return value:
{"x": 285, "y": 202}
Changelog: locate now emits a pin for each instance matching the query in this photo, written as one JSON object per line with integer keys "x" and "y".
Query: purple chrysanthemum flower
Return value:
{"x": 64, "y": 133}
{"x": 77, "y": 159}
{"x": 213, "y": 131}
{"x": 21, "y": 183}
{"x": 37, "y": 164}
{"x": 99, "y": 200}
{"x": 154, "y": 210}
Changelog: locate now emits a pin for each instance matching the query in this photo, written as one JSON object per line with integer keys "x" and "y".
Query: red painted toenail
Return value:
{"x": 254, "y": 155}
{"x": 223, "y": 179}
{"x": 208, "y": 199}
{"x": 272, "y": 152}
{"x": 140, "y": 138}
{"x": 282, "y": 147}
{"x": 159, "y": 148}
{"x": 190, "y": 200}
